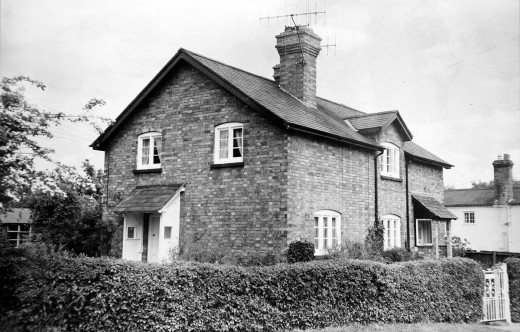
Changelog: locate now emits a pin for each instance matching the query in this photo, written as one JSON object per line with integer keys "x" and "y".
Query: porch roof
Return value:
{"x": 148, "y": 199}
{"x": 435, "y": 208}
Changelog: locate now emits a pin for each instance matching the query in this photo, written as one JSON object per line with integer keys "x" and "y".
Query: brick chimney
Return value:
{"x": 503, "y": 180}
{"x": 294, "y": 75}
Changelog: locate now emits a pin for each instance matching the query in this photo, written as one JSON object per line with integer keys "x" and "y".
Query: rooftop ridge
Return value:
{"x": 340, "y": 104}
{"x": 369, "y": 114}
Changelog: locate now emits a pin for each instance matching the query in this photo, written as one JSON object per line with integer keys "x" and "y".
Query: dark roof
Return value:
{"x": 340, "y": 110}
{"x": 378, "y": 121}
{"x": 432, "y": 205}
{"x": 421, "y": 154}
{"x": 148, "y": 199}
{"x": 475, "y": 197}
{"x": 263, "y": 95}
{"x": 16, "y": 216}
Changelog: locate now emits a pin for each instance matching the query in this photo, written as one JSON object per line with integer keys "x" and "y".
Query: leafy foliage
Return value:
{"x": 513, "y": 272}
{"x": 459, "y": 246}
{"x": 400, "y": 255}
{"x": 300, "y": 251}
{"x": 93, "y": 294}
{"x": 491, "y": 184}
{"x": 374, "y": 241}
{"x": 73, "y": 220}
{"x": 20, "y": 125}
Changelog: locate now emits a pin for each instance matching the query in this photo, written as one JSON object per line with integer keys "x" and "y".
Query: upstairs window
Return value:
{"x": 149, "y": 150}
{"x": 469, "y": 217}
{"x": 229, "y": 143}
{"x": 390, "y": 160}
{"x": 327, "y": 231}
{"x": 392, "y": 236}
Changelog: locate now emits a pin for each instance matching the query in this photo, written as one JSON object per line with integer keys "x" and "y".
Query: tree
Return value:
{"x": 490, "y": 184}
{"x": 72, "y": 221}
{"x": 20, "y": 125}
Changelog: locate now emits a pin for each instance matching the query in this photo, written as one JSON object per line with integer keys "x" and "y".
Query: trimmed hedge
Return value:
{"x": 90, "y": 294}
{"x": 300, "y": 251}
{"x": 513, "y": 273}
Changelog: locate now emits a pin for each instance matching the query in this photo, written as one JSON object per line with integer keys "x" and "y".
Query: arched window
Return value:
{"x": 229, "y": 143}
{"x": 327, "y": 231}
{"x": 392, "y": 236}
{"x": 390, "y": 160}
{"x": 149, "y": 150}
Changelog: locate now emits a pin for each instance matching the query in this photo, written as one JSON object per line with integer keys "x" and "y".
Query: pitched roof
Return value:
{"x": 148, "y": 199}
{"x": 421, "y": 154}
{"x": 475, "y": 197}
{"x": 378, "y": 121}
{"x": 263, "y": 95}
{"x": 432, "y": 205}
{"x": 340, "y": 110}
{"x": 16, "y": 216}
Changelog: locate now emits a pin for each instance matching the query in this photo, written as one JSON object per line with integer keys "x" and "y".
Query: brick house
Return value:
{"x": 211, "y": 153}
{"x": 489, "y": 218}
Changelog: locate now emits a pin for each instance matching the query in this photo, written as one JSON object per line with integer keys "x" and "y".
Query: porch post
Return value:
{"x": 436, "y": 243}
{"x": 448, "y": 230}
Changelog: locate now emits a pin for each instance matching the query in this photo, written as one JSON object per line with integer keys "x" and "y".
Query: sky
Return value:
{"x": 450, "y": 67}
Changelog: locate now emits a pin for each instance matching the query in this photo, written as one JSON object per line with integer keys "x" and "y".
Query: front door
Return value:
{"x": 153, "y": 238}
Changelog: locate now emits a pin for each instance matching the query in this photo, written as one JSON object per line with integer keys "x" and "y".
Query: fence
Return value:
{"x": 496, "y": 295}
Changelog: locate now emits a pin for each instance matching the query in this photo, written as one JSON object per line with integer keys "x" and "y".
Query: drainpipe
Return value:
{"x": 509, "y": 240}
{"x": 376, "y": 214}
{"x": 408, "y": 246}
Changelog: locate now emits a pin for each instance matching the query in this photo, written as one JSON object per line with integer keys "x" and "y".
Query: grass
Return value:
{"x": 422, "y": 327}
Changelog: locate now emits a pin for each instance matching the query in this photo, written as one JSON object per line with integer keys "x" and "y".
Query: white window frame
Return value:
{"x": 443, "y": 229}
{"x": 392, "y": 236}
{"x": 171, "y": 232}
{"x": 419, "y": 241}
{"x": 470, "y": 220}
{"x": 229, "y": 127}
{"x": 390, "y": 160}
{"x": 19, "y": 232}
{"x": 151, "y": 136}
{"x": 325, "y": 236}
{"x": 136, "y": 233}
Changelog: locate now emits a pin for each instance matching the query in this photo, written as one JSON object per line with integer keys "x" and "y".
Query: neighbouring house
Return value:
{"x": 489, "y": 218}
{"x": 210, "y": 154}
{"x": 16, "y": 225}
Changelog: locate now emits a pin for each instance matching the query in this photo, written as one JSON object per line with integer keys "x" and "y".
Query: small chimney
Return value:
{"x": 298, "y": 48}
{"x": 503, "y": 179}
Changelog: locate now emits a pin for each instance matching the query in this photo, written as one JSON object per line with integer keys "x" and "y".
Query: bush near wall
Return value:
{"x": 513, "y": 273}
{"x": 90, "y": 294}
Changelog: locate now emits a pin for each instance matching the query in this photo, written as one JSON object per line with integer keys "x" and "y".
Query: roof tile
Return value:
{"x": 147, "y": 199}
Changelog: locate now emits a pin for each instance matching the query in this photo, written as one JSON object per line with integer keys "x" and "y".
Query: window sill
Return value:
{"x": 390, "y": 178}
{"x": 235, "y": 164}
{"x": 147, "y": 170}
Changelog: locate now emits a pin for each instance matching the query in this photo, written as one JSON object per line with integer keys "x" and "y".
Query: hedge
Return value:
{"x": 513, "y": 273}
{"x": 105, "y": 294}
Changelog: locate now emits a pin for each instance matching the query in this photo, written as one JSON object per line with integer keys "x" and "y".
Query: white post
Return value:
{"x": 436, "y": 234}
{"x": 448, "y": 230}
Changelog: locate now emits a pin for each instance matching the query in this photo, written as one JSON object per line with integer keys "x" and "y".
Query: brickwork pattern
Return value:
{"x": 324, "y": 175}
{"x": 235, "y": 208}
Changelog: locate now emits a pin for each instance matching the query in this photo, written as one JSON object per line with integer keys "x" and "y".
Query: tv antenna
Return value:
{"x": 308, "y": 14}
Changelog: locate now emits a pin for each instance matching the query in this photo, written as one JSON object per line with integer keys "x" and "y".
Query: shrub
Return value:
{"x": 513, "y": 273}
{"x": 459, "y": 246}
{"x": 399, "y": 255}
{"x": 374, "y": 241}
{"x": 103, "y": 294}
{"x": 300, "y": 251}
{"x": 349, "y": 250}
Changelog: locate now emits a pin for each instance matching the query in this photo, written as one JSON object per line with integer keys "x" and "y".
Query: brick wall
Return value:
{"x": 325, "y": 175}
{"x": 425, "y": 179}
{"x": 235, "y": 208}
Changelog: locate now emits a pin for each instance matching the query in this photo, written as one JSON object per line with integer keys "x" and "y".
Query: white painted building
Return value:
{"x": 488, "y": 218}
{"x": 151, "y": 223}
